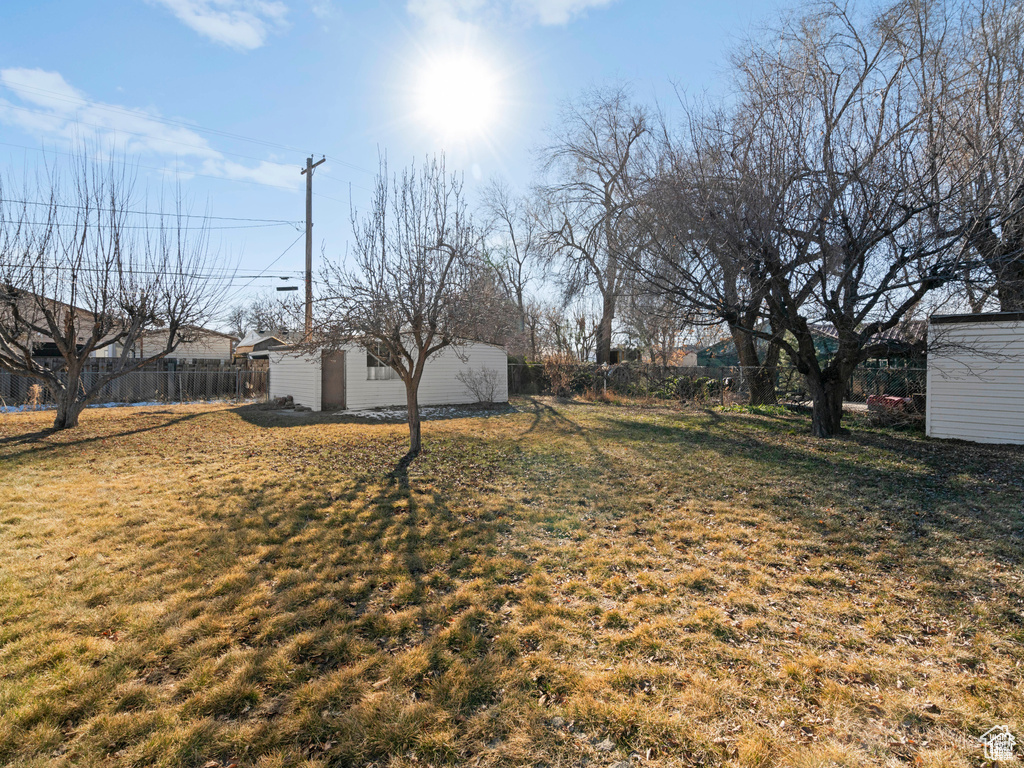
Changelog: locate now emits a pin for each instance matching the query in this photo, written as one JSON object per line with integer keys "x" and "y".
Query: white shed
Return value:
{"x": 976, "y": 377}
{"x": 353, "y": 380}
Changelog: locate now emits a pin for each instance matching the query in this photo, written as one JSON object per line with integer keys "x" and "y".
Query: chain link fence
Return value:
{"x": 181, "y": 386}
{"x": 888, "y": 389}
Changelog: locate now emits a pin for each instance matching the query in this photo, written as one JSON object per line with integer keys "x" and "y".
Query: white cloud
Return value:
{"x": 242, "y": 24}
{"x": 48, "y": 107}
{"x": 453, "y": 14}
{"x": 324, "y": 10}
{"x": 550, "y": 12}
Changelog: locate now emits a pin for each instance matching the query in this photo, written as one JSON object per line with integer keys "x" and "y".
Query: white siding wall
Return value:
{"x": 210, "y": 346}
{"x": 207, "y": 348}
{"x": 976, "y": 381}
{"x": 440, "y": 384}
{"x": 296, "y": 375}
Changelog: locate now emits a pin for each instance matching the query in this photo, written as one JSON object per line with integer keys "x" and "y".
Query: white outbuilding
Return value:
{"x": 976, "y": 377}
{"x": 354, "y": 379}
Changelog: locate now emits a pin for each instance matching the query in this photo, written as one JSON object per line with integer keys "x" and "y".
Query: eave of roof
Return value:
{"x": 984, "y": 317}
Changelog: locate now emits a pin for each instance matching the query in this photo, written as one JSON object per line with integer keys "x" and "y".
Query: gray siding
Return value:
{"x": 976, "y": 382}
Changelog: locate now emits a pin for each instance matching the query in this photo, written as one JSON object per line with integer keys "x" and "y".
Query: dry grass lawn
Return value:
{"x": 572, "y": 584}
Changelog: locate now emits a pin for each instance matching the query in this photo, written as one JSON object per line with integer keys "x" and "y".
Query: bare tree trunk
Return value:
{"x": 1011, "y": 287}
{"x": 760, "y": 375}
{"x": 69, "y": 407}
{"x": 413, "y": 406}
{"x": 762, "y": 386}
{"x": 827, "y": 390}
{"x": 604, "y": 331}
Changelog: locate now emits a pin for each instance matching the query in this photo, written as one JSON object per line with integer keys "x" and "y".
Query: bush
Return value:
{"x": 698, "y": 388}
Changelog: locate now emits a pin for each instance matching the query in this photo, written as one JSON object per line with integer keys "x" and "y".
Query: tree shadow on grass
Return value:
{"x": 259, "y": 416}
{"x": 911, "y": 508}
{"x": 359, "y": 588}
{"x": 42, "y": 442}
{"x": 348, "y": 617}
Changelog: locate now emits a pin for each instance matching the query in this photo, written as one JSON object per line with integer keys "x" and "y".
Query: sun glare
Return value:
{"x": 458, "y": 96}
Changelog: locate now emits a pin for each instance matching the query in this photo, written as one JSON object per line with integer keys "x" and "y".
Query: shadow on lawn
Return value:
{"x": 366, "y": 575}
{"x": 917, "y": 521}
{"x": 254, "y": 414}
{"x": 353, "y": 617}
{"x": 43, "y": 440}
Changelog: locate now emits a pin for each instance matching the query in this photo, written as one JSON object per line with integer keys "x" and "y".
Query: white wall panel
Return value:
{"x": 976, "y": 381}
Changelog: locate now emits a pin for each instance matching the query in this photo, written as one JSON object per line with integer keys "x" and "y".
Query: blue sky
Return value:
{"x": 227, "y": 97}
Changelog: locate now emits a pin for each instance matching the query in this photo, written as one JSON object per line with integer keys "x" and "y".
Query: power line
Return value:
{"x": 271, "y": 264}
{"x": 293, "y": 222}
{"x": 226, "y": 278}
{"x": 148, "y": 227}
{"x": 346, "y": 182}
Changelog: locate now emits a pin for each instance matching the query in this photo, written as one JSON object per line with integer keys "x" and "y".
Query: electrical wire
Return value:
{"x": 183, "y": 229}
{"x": 231, "y": 298}
{"x": 154, "y": 213}
{"x": 228, "y": 278}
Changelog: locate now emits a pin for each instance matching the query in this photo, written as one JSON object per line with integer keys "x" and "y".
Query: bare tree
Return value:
{"x": 269, "y": 314}
{"x": 705, "y": 215}
{"x": 814, "y": 200}
{"x": 568, "y": 332}
{"x": 408, "y": 294}
{"x": 981, "y": 123}
{"x": 86, "y": 274}
{"x": 830, "y": 109}
{"x": 589, "y": 231}
{"x": 514, "y": 254}
{"x": 237, "y": 321}
{"x": 656, "y": 322}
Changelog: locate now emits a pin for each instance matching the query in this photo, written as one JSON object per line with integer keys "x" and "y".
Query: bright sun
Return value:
{"x": 458, "y": 96}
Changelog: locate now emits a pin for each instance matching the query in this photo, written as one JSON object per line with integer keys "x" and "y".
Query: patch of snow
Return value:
{"x": 147, "y": 404}
{"x": 429, "y": 413}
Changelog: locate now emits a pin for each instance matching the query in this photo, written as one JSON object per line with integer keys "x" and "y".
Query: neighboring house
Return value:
{"x": 906, "y": 345}
{"x": 976, "y": 377}
{"x": 256, "y": 344}
{"x": 197, "y": 344}
{"x": 722, "y": 354}
{"x": 355, "y": 380}
{"x": 685, "y": 357}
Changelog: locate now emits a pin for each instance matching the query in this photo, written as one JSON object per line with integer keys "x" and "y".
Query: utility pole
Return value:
{"x": 308, "y": 171}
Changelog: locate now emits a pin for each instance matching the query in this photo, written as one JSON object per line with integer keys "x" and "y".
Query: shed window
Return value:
{"x": 377, "y": 368}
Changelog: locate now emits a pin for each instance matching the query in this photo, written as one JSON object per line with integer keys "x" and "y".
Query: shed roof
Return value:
{"x": 984, "y": 317}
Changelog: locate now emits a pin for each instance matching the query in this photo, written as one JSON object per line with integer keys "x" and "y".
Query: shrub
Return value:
{"x": 698, "y": 388}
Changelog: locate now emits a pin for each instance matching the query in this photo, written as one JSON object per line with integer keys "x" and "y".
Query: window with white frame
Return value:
{"x": 377, "y": 368}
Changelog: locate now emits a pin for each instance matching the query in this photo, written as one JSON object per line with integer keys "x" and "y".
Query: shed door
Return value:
{"x": 332, "y": 381}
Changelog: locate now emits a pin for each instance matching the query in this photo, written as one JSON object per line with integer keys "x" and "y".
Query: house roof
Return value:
{"x": 252, "y": 338}
{"x": 86, "y": 315}
{"x": 907, "y": 332}
{"x": 986, "y": 317}
{"x": 207, "y": 331}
